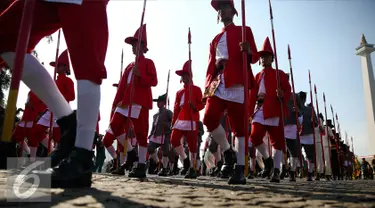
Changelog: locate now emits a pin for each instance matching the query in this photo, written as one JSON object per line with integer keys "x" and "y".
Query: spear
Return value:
{"x": 277, "y": 71}
{"x": 313, "y": 120}
{"x": 337, "y": 139}
{"x": 352, "y": 145}
{"x": 50, "y": 133}
{"x": 295, "y": 104}
{"x": 328, "y": 139}
{"x": 190, "y": 94}
{"x": 121, "y": 69}
{"x": 245, "y": 67}
{"x": 165, "y": 114}
{"x": 22, "y": 42}
{"x": 130, "y": 125}
{"x": 319, "y": 124}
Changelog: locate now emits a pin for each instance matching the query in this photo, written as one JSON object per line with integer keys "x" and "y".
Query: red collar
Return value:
{"x": 228, "y": 27}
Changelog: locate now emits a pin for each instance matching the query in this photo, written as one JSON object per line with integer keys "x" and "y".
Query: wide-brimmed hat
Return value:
{"x": 161, "y": 98}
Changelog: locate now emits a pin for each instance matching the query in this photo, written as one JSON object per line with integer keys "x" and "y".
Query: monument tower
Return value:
{"x": 364, "y": 51}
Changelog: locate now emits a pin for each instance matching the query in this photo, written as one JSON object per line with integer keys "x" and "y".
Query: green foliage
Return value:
{"x": 5, "y": 79}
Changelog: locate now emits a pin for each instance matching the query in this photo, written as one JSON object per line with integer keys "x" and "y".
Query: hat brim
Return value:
{"x": 52, "y": 63}
{"x": 131, "y": 40}
{"x": 264, "y": 53}
{"x": 180, "y": 72}
{"x": 216, "y": 5}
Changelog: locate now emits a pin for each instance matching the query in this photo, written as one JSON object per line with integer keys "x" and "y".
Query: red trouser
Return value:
{"x": 191, "y": 139}
{"x": 214, "y": 111}
{"x": 118, "y": 126}
{"x": 258, "y": 131}
{"x": 20, "y": 133}
{"x": 39, "y": 132}
{"x": 85, "y": 30}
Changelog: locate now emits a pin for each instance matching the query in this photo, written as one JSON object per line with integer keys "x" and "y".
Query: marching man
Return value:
{"x": 144, "y": 78}
{"x": 307, "y": 136}
{"x": 185, "y": 120}
{"x": 66, "y": 87}
{"x": 267, "y": 116}
{"x": 161, "y": 133}
{"x": 33, "y": 109}
{"x": 86, "y": 36}
{"x": 327, "y": 136}
{"x": 225, "y": 88}
{"x": 290, "y": 133}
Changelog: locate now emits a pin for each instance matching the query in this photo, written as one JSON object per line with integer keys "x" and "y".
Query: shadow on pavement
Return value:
{"x": 92, "y": 196}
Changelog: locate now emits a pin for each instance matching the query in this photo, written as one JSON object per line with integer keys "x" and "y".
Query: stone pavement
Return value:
{"x": 119, "y": 191}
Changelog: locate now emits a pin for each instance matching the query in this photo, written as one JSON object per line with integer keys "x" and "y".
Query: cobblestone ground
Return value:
{"x": 120, "y": 191}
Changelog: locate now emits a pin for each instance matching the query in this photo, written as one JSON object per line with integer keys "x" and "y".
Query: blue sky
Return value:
{"x": 323, "y": 36}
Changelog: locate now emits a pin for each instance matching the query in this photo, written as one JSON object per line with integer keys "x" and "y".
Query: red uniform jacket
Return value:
{"x": 233, "y": 68}
{"x": 142, "y": 85}
{"x": 66, "y": 87}
{"x": 185, "y": 113}
{"x": 33, "y": 108}
{"x": 271, "y": 105}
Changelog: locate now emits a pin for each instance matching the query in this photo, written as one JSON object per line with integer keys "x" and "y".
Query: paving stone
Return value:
{"x": 175, "y": 192}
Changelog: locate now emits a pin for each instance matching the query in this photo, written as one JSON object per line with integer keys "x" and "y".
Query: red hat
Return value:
{"x": 267, "y": 48}
{"x": 185, "y": 69}
{"x": 134, "y": 38}
{"x": 216, "y": 4}
{"x": 63, "y": 59}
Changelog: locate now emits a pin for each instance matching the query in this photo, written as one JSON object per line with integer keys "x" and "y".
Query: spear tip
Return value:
{"x": 289, "y": 56}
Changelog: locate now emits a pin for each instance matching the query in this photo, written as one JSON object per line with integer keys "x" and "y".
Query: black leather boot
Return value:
{"x": 268, "y": 167}
{"x": 283, "y": 173}
{"x": 139, "y": 171}
{"x": 229, "y": 161}
{"x": 238, "y": 175}
{"x": 292, "y": 176}
{"x": 191, "y": 173}
{"x": 120, "y": 170}
{"x": 163, "y": 172}
{"x": 186, "y": 166}
{"x": 250, "y": 175}
{"x": 75, "y": 171}
{"x": 152, "y": 167}
{"x": 309, "y": 176}
{"x": 68, "y": 129}
{"x": 275, "y": 176}
{"x": 317, "y": 178}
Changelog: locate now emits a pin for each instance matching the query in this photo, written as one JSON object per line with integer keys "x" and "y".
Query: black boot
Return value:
{"x": 238, "y": 175}
{"x": 139, "y": 171}
{"x": 317, "y": 178}
{"x": 216, "y": 171}
{"x": 114, "y": 165}
{"x": 163, "y": 172}
{"x": 250, "y": 175}
{"x": 292, "y": 176}
{"x": 191, "y": 173}
{"x": 75, "y": 171}
{"x": 152, "y": 166}
{"x": 275, "y": 176}
{"x": 68, "y": 129}
{"x": 268, "y": 167}
{"x": 283, "y": 173}
{"x": 186, "y": 166}
{"x": 309, "y": 176}
{"x": 120, "y": 170}
{"x": 328, "y": 177}
{"x": 131, "y": 158}
{"x": 229, "y": 161}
